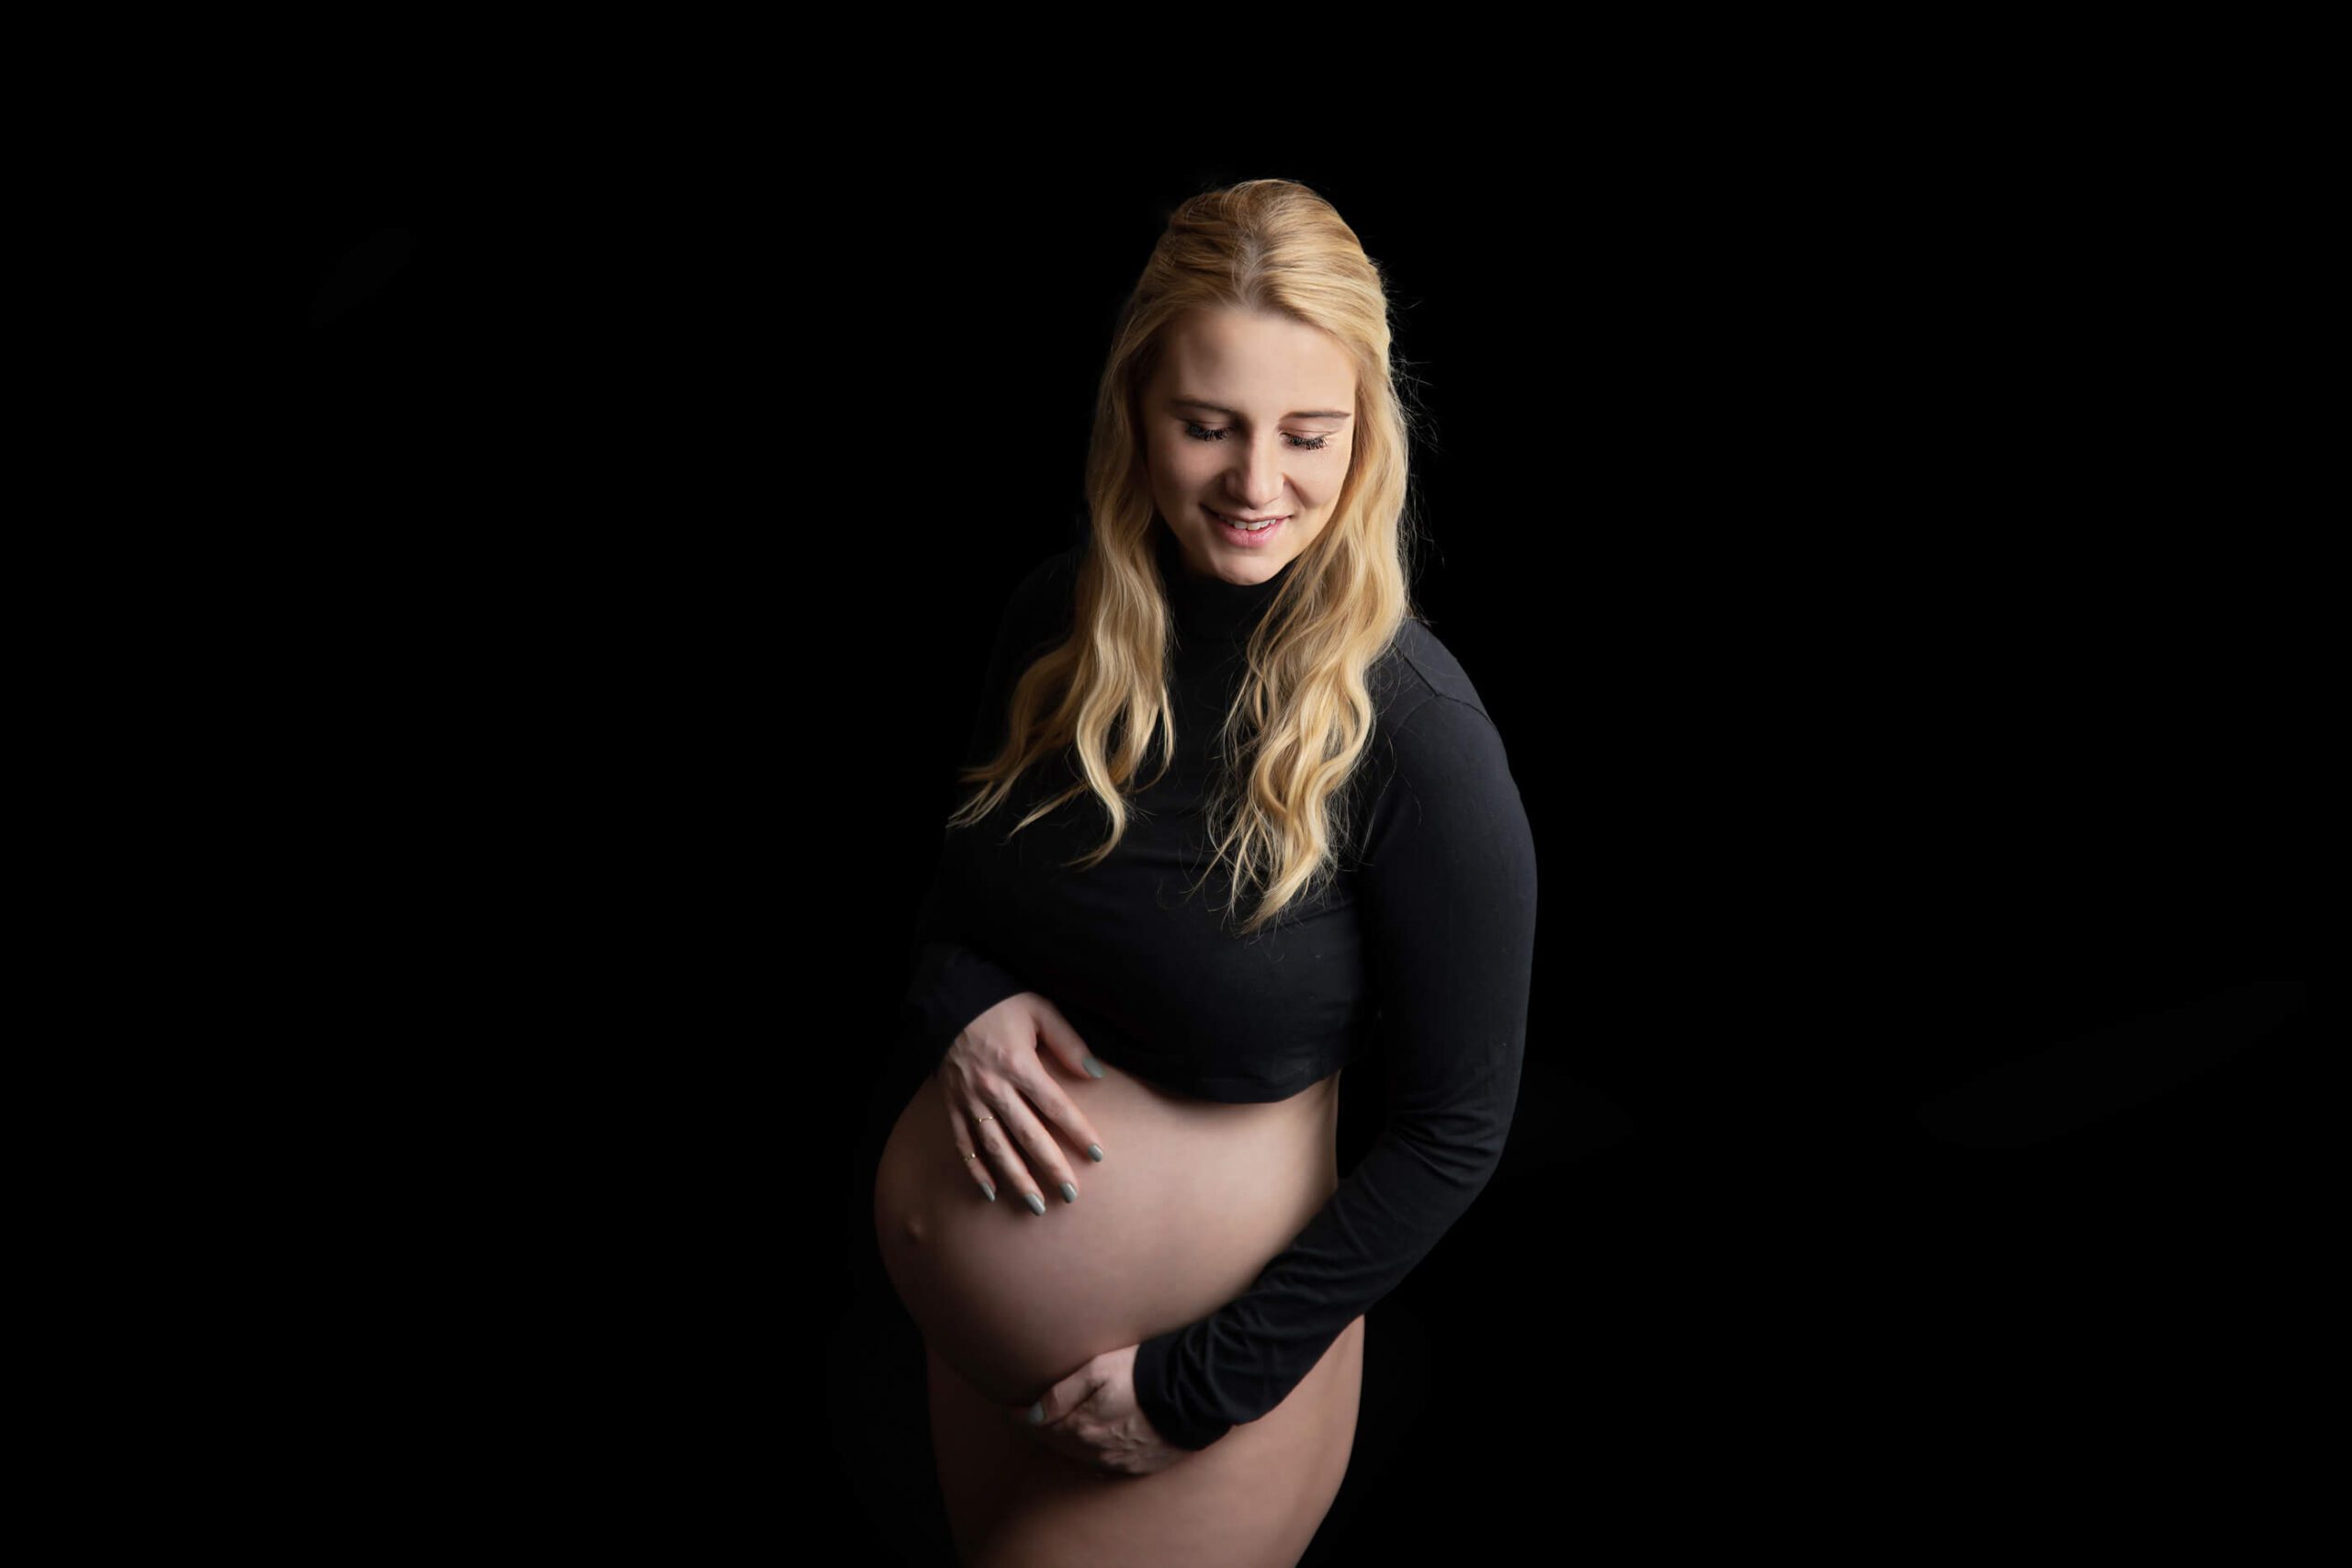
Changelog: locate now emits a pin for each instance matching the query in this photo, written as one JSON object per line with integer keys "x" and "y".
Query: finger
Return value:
{"x": 1040, "y": 1150}
{"x": 1063, "y": 1113}
{"x": 959, "y": 1128}
{"x": 1042, "y": 1413}
{"x": 1062, "y": 1044}
{"x": 1059, "y": 1408}
{"x": 994, "y": 1143}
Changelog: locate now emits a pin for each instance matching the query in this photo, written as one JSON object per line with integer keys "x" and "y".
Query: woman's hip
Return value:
{"x": 1253, "y": 1498}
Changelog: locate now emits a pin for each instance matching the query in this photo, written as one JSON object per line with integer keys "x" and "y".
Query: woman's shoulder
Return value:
{"x": 1418, "y": 671}
{"x": 1049, "y": 574}
{"x": 1045, "y": 600}
{"x": 1438, "y": 771}
{"x": 1430, "y": 726}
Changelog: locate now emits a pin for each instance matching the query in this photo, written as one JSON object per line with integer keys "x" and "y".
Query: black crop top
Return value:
{"x": 1425, "y": 943}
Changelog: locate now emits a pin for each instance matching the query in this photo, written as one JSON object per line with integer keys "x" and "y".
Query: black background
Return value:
{"x": 1860, "y": 532}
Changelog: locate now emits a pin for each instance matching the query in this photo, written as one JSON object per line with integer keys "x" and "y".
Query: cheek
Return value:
{"x": 1190, "y": 463}
{"x": 1169, "y": 466}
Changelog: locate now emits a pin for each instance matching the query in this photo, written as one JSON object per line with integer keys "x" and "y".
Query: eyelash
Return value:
{"x": 1299, "y": 444}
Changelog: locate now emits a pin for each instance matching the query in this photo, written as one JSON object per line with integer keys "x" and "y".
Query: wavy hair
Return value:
{"x": 1303, "y": 717}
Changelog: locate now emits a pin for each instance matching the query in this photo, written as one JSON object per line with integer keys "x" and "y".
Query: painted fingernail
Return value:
{"x": 989, "y": 1190}
{"x": 1070, "y": 1192}
{"x": 1036, "y": 1205}
{"x": 1092, "y": 1065}
{"x": 1096, "y": 1150}
{"x": 1037, "y": 1413}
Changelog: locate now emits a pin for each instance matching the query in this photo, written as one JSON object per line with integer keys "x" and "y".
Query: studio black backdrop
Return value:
{"x": 1907, "y": 712}
{"x": 1905, "y": 695}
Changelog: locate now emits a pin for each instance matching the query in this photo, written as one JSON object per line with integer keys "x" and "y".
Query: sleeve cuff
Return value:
{"x": 952, "y": 985}
{"x": 1155, "y": 1398}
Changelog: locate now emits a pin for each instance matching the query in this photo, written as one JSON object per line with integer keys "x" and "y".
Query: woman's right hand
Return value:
{"x": 996, "y": 1069}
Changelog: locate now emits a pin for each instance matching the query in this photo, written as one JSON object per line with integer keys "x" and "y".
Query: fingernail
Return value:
{"x": 1092, "y": 1065}
{"x": 1096, "y": 1150}
{"x": 989, "y": 1190}
{"x": 1036, "y": 1205}
{"x": 1070, "y": 1194}
{"x": 1037, "y": 1413}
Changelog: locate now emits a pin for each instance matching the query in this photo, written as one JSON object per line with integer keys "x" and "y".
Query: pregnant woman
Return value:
{"x": 1238, "y": 814}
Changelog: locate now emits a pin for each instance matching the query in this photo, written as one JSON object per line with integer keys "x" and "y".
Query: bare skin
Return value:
{"x": 1192, "y": 1198}
{"x": 1269, "y": 435}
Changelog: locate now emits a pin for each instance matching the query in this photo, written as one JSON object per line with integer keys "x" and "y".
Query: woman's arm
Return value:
{"x": 1447, "y": 896}
{"x": 955, "y": 977}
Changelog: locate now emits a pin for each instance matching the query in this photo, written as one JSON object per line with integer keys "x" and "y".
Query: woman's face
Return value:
{"x": 1249, "y": 415}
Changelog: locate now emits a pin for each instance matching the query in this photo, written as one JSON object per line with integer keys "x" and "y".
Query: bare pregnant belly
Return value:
{"x": 1192, "y": 1200}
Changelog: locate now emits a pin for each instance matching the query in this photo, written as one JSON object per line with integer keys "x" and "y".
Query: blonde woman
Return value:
{"x": 1238, "y": 814}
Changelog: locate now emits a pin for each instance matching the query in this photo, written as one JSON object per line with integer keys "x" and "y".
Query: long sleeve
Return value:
{"x": 1447, "y": 895}
{"x": 955, "y": 978}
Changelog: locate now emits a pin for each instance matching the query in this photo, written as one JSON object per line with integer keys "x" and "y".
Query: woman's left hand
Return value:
{"x": 1092, "y": 1418}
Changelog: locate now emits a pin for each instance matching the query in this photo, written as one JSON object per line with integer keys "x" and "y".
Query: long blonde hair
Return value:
{"x": 1303, "y": 717}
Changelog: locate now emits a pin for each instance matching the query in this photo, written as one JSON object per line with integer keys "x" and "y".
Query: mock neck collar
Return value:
{"x": 1209, "y": 609}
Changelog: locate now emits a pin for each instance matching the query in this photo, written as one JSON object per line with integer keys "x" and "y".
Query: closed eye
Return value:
{"x": 1298, "y": 443}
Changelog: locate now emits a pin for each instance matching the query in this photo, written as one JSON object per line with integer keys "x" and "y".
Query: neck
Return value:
{"x": 1207, "y": 608}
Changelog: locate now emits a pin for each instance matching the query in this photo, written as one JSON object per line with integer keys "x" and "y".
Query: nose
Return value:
{"x": 1258, "y": 475}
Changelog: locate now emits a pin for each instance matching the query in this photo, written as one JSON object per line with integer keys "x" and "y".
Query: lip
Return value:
{"x": 1229, "y": 537}
{"x": 1229, "y": 517}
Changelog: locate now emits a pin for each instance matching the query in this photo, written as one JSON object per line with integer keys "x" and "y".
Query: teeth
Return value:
{"x": 1252, "y": 527}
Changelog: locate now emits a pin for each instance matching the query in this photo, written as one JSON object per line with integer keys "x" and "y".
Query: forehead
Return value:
{"x": 1256, "y": 362}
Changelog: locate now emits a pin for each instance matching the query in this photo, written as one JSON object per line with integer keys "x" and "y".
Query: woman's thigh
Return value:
{"x": 1252, "y": 1499}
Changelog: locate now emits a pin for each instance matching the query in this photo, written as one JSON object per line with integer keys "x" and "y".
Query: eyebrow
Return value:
{"x": 1237, "y": 413}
